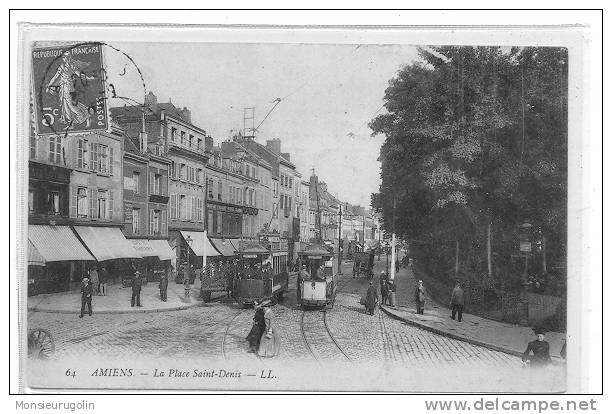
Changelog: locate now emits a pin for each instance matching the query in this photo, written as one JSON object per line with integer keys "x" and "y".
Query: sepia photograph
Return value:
{"x": 208, "y": 215}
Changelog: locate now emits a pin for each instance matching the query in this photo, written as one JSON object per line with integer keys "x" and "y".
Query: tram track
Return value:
{"x": 320, "y": 343}
{"x": 226, "y": 334}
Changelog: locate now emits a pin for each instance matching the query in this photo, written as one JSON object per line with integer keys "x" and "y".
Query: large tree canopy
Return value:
{"x": 474, "y": 136}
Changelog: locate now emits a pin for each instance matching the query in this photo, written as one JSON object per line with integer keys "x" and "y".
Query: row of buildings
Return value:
{"x": 150, "y": 187}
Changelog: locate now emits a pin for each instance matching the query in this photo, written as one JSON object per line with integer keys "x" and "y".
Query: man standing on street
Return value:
{"x": 419, "y": 297}
{"x": 457, "y": 302}
{"x": 86, "y": 292}
{"x": 540, "y": 350}
{"x": 136, "y": 287}
{"x": 163, "y": 288}
{"x": 384, "y": 287}
{"x": 94, "y": 280}
{"x": 302, "y": 275}
{"x": 103, "y": 276}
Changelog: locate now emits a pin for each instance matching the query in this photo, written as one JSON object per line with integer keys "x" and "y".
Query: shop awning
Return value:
{"x": 225, "y": 247}
{"x": 163, "y": 249}
{"x": 107, "y": 243}
{"x": 201, "y": 245}
{"x": 235, "y": 244}
{"x": 54, "y": 244}
{"x": 34, "y": 258}
{"x": 144, "y": 247}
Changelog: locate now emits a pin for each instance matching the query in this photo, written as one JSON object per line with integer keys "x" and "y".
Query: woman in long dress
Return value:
{"x": 270, "y": 341}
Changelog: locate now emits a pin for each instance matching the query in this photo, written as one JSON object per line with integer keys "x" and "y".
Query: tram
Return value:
{"x": 317, "y": 286}
{"x": 261, "y": 271}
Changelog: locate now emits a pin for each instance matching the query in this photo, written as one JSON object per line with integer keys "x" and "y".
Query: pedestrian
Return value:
{"x": 86, "y": 292}
{"x": 302, "y": 275}
{"x": 419, "y": 297}
{"x": 537, "y": 353}
{"x": 269, "y": 345}
{"x": 163, "y": 287}
{"x": 384, "y": 287}
{"x": 371, "y": 299}
{"x": 457, "y": 302}
{"x": 103, "y": 277}
{"x": 136, "y": 288}
{"x": 258, "y": 328}
{"x": 187, "y": 287}
{"x": 94, "y": 279}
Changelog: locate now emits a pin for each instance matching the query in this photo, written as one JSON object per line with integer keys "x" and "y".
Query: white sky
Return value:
{"x": 335, "y": 90}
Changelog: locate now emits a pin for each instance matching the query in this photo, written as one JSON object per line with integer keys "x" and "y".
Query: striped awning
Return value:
{"x": 54, "y": 244}
{"x": 107, "y": 243}
{"x": 200, "y": 244}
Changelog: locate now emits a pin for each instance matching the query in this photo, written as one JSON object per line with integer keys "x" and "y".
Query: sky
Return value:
{"x": 328, "y": 94}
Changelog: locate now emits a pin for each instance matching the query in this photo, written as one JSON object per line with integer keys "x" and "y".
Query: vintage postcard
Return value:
{"x": 241, "y": 213}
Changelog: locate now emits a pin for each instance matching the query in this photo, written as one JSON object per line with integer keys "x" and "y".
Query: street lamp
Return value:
{"x": 189, "y": 241}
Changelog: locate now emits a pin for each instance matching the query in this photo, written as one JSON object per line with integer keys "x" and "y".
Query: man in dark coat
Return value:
{"x": 163, "y": 288}
{"x": 371, "y": 299}
{"x": 302, "y": 275}
{"x": 384, "y": 287}
{"x": 419, "y": 297}
{"x": 136, "y": 287}
{"x": 457, "y": 301}
{"x": 537, "y": 352}
{"x": 86, "y": 292}
{"x": 103, "y": 277}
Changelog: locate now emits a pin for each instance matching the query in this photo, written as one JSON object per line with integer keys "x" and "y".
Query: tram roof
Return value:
{"x": 315, "y": 250}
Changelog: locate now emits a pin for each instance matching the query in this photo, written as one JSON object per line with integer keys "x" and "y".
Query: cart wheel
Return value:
{"x": 40, "y": 344}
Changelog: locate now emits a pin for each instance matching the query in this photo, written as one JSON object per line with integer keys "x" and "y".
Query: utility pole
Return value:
{"x": 392, "y": 276}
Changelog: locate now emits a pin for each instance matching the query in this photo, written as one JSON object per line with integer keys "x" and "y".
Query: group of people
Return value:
{"x": 99, "y": 280}
{"x": 263, "y": 338}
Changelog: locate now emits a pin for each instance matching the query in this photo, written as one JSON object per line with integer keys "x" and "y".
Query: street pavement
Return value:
{"x": 344, "y": 335}
{"x": 473, "y": 329}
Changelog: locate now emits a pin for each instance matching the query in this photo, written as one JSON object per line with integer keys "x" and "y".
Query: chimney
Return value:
{"x": 143, "y": 138}
{"x": 274, "y": 145}
{"x": 286, "y": 156}
{"x": 208, "y": 143}
{"x": 186, "y": 114}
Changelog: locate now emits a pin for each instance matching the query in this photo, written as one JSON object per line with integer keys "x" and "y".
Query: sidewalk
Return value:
{"x": 491, "y": 334}
{"x": 118, "y": 300}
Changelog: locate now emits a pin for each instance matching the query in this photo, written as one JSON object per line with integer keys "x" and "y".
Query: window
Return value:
{"x": 199, "y": 144}
{"x": 182, "y": 137}
{"x": 103, "y": 158}
{"x": 253, "y": 172}
{"x": 282, "y": 202}
{"x": 182, "y": 206}
{"x": 31, "y": 201}
{"x": 93, "y": 157}
{"x": 172, "y": 169}
{"x": 219, "y": 222}
{"x": 102, "y": 204}
{"x": 290, "y": 182}
{"x": 248, "y": 170}
{"x": 211, "y": 185}
{"x": 254, "y": 198}
{"x": 157, "y": 184}
{"x": 136, "y": 180}
{"x": 173, "y": 133}
{"x": 172, "y": 206}
{"x": 82, "y": 153}
{"x": 183, "y": 172}
{"x": 200, "y": 214}
{"x": 55, "y": 149}
{"x": 199, "y": 176}
{"x": 54, "y": 202}
{"x": 135, "y": 220}
{"x": 82, "y": 202}
{"x": 190, "y": 141}
{"x": 154, "y": 227}
{"x": 220, "y": 190}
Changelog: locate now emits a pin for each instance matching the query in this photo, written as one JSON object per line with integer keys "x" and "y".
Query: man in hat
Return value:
{"x": 384, "y": 287}
{"x": 259, "y": 326}
{"x": 163, "y": 287}
{"x": 136, "y": 287}
{"x": 538, "y": 351}
{"x": 419, "y": 297}
{"x": 86, "y": 292}
{"x": 371, "y": 298}
{"x": 457, "y": 301}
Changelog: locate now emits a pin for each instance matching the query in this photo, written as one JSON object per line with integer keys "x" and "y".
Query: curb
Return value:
{"x": 451, "y": 335}
{"x": 555, "y": 360}
{"x": 117, "y": 311}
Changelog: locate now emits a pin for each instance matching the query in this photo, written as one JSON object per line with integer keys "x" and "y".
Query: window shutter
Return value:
{"x": 164, "y": 223}
{"x": 172, "y": 206}
{"x": 92, "y": 163}
{"x": 151, "y": 227}
{"x": 110, "y": 204}
{"x": 112, "y": 160}
{"x": 92, "y": 203}
{"x": 73, "y": 201}
{"x": 151, "y": 182}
